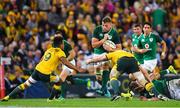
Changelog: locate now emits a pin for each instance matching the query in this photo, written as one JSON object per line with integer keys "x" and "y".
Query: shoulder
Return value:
{"x": 98, "y": 27}
{"x": 133, "y": 35}
{"x": 154, "y": 34}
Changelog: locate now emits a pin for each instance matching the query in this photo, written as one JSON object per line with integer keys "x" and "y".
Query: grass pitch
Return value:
{"x": 93, "y": 102}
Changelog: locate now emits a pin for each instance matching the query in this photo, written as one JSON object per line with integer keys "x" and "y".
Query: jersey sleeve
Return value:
{"x": 69, "y": 47}
{"x": 158, "y": 38}
{"x": 117, "y": 38}
{"x": 61, "y": 54}
{"x": 95, "y": 33}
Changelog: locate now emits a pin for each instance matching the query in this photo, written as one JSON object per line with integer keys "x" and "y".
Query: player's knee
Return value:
{"x": 54, "y": 79}
{"x": 60, "y": 81}
{"x": 113, "y": 78}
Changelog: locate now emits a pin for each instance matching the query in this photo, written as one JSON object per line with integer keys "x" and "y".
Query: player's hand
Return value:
{"x": 82, "y": 70}
{"x": 144, "y": 50}
{"x": 163, "y": 55}
{"x": 105, "y": 37}
{"x": 88, "y": 61}
{"x": 108, "y": 48}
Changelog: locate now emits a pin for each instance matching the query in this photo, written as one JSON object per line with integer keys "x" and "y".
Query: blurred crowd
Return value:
{"x": 27, "y": 25}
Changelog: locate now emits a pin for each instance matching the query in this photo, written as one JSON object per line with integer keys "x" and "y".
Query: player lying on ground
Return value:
{"x": 49, "y": 62}
{"x": 124, "y": 62}
{"x": 170, "y": 88}
{"x": 160, "y": 85}
{"x": 70, "y": 54}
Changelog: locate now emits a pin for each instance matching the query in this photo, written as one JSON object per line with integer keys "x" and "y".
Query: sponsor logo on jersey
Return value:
{"x": 143, "y": 40}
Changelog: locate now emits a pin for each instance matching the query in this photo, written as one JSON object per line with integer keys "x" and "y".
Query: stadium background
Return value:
{"x": 26, "y": 25}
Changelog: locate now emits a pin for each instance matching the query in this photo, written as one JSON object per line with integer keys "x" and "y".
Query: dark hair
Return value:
{"x": 58, "y": 40}
{"x": 137, "y": 25}
{"x": 147, "y": 23}
{"x": 106, "y": 19}
{"x": 58, "y": 32}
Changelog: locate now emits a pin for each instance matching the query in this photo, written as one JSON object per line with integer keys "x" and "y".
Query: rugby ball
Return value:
{"x": 110, "y": 43}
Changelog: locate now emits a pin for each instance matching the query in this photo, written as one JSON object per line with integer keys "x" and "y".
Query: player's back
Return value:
{"x": 116, "y": 55}
{"x": 50, "y": 60}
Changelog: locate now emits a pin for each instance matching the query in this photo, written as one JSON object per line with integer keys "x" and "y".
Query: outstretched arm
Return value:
{"x": 97, "y": 59}
{"x": 68, "y": 64}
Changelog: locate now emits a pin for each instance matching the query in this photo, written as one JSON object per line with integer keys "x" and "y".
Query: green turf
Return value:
{"x": 93, "y": 102}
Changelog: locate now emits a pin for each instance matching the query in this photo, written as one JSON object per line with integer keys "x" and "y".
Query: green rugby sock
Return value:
{"x": 105, "y": 78}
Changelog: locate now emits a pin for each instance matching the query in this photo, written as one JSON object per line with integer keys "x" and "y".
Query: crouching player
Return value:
{"x": 125, "y": 62}
{"x": 49, "y": 62}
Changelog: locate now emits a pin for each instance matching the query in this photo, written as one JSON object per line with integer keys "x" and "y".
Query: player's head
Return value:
{"x": 106, "y": 23}
{"x": 58, "y": 41}
{"x": 135, "y": 86}
{"x": 147, "y": 27}
{"x": 58, "y": 33}
{"x": 137, "y": 29}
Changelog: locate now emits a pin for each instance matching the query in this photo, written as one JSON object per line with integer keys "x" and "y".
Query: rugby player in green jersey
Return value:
{"x": 136, "y": 46}
{"x": 150, "y": 42}
{"x": 100, "y": 35}
{"x": 168, "y": 87}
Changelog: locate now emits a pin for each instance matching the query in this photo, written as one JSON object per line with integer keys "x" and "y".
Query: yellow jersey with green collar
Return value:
{"x": 116, "y": 55}
{"x": 50, "y": 60}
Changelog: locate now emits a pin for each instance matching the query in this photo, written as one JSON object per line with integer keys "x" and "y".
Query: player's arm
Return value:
{"x": 72, "y": 55}
{"x": 164, "y": 48}
{"x": 68, "y": 64}
{"x": 138, "y": 50}
{"x": 97, "y": 59}
{"x": 163, "y": 44}
{"x": 118, "y": 47}
{"x": 117, "y": 41}
{"x": 145, "y": 73}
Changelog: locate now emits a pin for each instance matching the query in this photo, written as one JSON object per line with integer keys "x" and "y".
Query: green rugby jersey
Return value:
{"x": 67, "y": 48}
{"x": 150, "y": 42}
{"x": 161, "y": 86}
{"x": 99, "y": 34}
{"x": 136, "y": 43}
